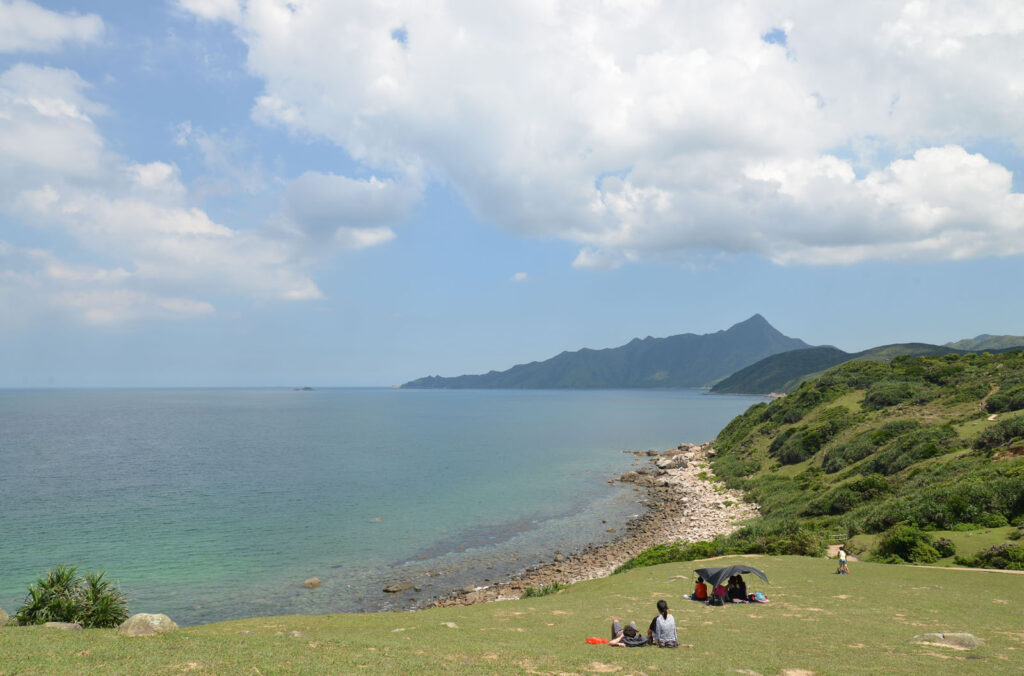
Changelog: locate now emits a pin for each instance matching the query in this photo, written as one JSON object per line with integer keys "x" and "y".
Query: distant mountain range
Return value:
{"x": 987, "y": 342}
{"x": 785, "y": 371}
{"x": 686, "y": 360}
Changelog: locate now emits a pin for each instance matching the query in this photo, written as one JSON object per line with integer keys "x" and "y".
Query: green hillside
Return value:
{"x": 686, "y": 360}
{"x": 785, "y": 371}
{"x": 870, "y": 445}
{"x": 987, "y": 342}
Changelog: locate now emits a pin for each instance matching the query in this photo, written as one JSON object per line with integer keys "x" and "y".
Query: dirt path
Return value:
{"x": 969, "y": 570}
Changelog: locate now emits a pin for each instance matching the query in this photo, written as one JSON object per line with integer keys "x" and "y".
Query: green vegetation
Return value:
{"x": 63, "y": 596}
{"x": 828, "y": 624}
{"x": 986, "y": 342}
{"x": 898, "y": 448}
{"x": 553, "y": 588}
{"x": 785, "y": 372}
{"x": 686, "y": 360}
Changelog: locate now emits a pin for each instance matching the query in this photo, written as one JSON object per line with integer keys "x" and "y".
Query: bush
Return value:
{"x": 1000, "y": 434}
{"x": 888, "y": 393}
{"x": 675, "y": 552}
{"x": 905, "y": 543}
{"x": 63, "y": 596}
{"x": 945, "y": 547}
{"x": 1004, "y": 557}
{"x": 1006, "y": 400}
{"x": 910, "y": 448}
{"x": 554, "y": 587}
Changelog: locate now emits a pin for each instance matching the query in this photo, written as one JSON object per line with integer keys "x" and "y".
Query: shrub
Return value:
{"x": 905, "y": 543}
{"x": 945, "y": 547}
{"x": 888, "y": 393}
{"x": 554, "y": 587}
{"x": 1005, "y": 557}
{"x": 63, "y": 596}
{"x": 1000, "y": 434}
{"x": 910, "y": 448}
{"x": 675, "y": 552}
{"x": 1006, "y": 400}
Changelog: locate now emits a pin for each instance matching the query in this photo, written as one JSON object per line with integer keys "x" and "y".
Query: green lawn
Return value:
{"x": 817, "y": 621}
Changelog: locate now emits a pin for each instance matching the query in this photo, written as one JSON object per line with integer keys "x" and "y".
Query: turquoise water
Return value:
{"x": 216, "y": 504}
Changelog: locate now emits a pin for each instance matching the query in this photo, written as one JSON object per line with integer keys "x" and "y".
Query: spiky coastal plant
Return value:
{"x": 63, "y": 596}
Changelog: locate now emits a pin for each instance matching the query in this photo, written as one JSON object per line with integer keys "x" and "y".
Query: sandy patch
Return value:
{"x": 602, "y": 668}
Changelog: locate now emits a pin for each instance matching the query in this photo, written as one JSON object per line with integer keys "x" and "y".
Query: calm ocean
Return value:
{"x": 216, "y": 504}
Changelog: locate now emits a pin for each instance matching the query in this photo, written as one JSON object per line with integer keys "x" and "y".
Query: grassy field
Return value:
{"x": 817, "y": 622}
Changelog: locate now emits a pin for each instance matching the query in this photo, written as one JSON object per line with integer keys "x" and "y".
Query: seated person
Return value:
{"x": 626, "y": 637}
{"x": 732, "y": 592}
{"x": 720, "y": 591}
{"x": 742, "y": 586}
{"x": 700, "y": 591}
{"x": 662, "y": 631}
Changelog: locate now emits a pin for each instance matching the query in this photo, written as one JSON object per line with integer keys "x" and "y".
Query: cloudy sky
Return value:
{"x": 265, "y": 192}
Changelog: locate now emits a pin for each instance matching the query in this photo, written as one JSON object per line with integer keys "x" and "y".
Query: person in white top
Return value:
{"x": 662, "y": 631}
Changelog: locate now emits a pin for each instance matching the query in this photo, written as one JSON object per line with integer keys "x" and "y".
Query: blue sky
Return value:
{"x": 218, "y": 193}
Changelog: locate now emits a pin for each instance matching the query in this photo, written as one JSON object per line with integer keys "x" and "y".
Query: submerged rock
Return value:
{"x": 398, "y": 587}
{"x": 144, "y": 624}
{"x": 312, "y": 582}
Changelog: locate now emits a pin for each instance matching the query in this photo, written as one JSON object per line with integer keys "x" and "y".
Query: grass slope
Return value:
{"x": 869, "y": 445}
{"x": 817, "y": 621}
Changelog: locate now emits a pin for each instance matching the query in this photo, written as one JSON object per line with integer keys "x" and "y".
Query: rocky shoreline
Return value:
{"x": 684, "y": 504}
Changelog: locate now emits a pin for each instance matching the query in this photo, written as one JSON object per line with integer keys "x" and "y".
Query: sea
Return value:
{"x": 216, "y": 504}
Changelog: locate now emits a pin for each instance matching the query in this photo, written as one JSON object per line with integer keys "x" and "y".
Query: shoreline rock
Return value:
{"x": 681, "y": 507}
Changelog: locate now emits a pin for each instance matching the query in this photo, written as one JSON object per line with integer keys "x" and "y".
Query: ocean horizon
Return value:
{"x": 216, "y": 503}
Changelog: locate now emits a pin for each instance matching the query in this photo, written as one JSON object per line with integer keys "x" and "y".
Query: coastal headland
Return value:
{"x": 683, "y": 503}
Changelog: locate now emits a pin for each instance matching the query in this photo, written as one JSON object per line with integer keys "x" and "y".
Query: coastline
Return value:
{"x": 681, "y": 506}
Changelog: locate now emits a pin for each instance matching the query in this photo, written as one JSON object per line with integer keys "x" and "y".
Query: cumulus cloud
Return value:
{"x": 353, "y": 212}
{"x": 171, "y": 256}
{"x": 27, "y": 27}
{"x": 519, "y": 277}
{"x": 648, "y": 129}
{"x": 36, "y": 283}
{"x": 212, "y": 10}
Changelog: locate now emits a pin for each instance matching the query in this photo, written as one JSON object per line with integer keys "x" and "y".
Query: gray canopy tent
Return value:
{"x": 715, "y": 576}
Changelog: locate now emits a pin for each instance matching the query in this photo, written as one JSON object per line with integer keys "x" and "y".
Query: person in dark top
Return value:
{"x": 742, "y": 586}
{"x": 732, "y": 591}
{"x": 626, "y": 637}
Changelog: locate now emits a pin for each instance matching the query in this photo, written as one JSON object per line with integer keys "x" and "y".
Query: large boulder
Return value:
{"x": 143, "y": 624}
{"x": 64, "y": 626}
{"x": 670, "y": 462}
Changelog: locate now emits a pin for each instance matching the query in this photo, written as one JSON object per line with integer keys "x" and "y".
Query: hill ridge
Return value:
{"x": 682, "y": 360}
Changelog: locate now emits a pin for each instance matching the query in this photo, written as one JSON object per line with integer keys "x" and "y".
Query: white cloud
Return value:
{"x": 353, "y": 212}
{"x": 519, "y": 277}
{"x": 170, "y": 256}
{"x": 213, "y": 10}
{"x": 27, "y": 27}
{"x": 645, "y": 130}
{"x": 36, "y": 283}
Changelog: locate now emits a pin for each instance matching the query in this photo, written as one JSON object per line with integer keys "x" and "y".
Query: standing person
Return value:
{"x": 662, "y": 631}
{"x": 843, "y": 568}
